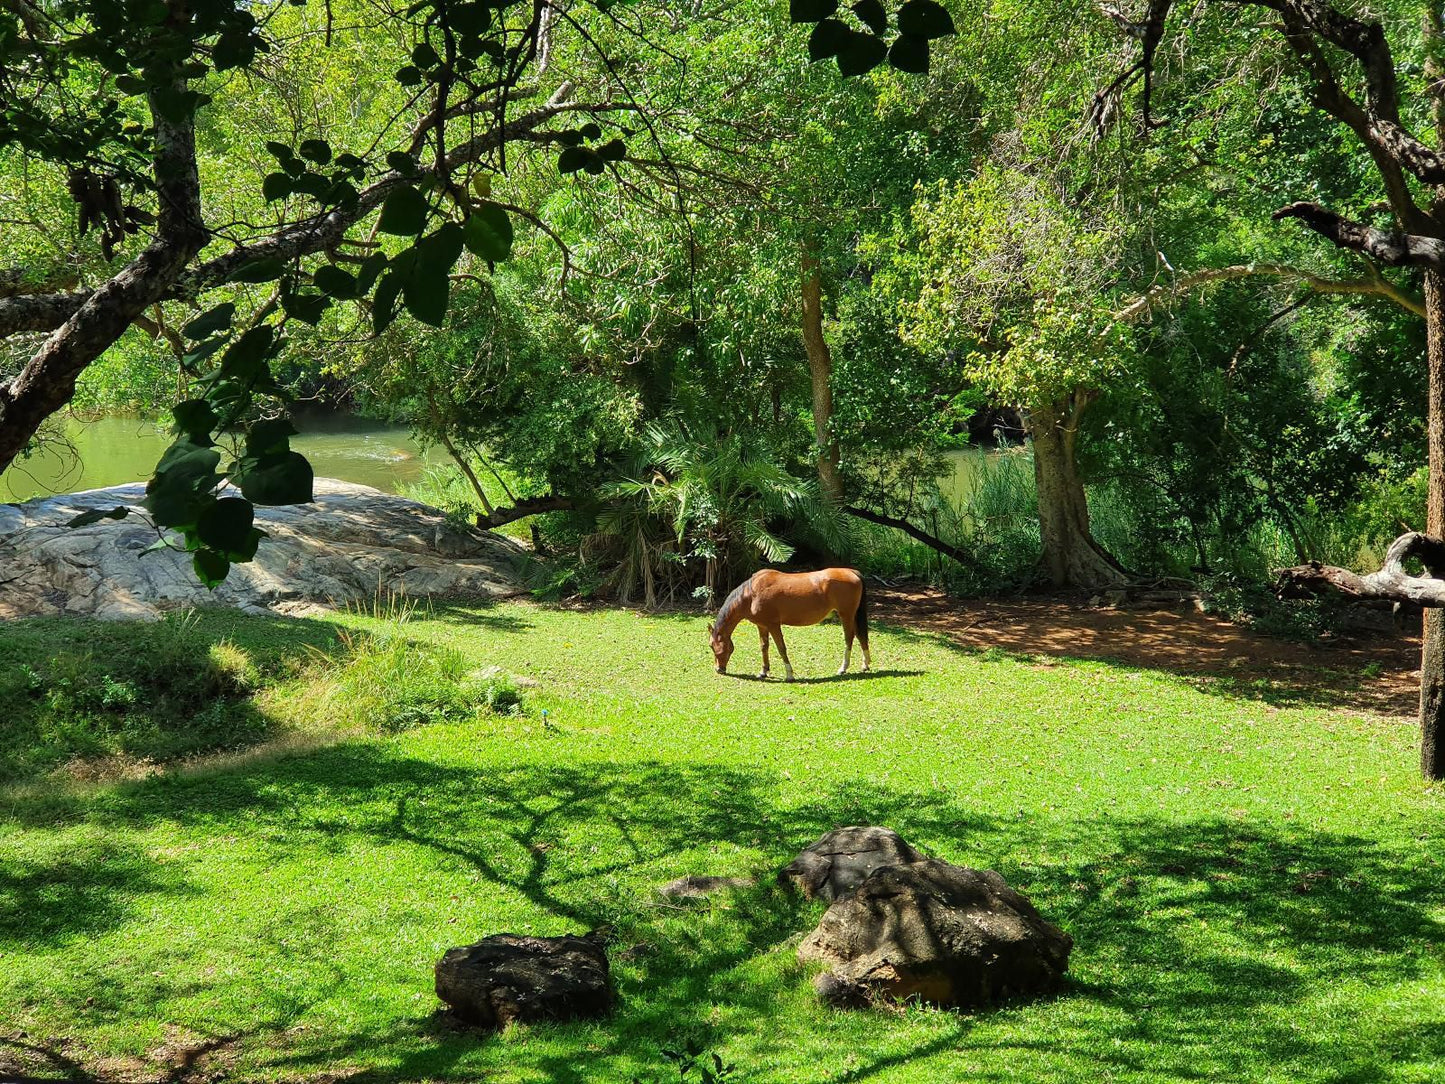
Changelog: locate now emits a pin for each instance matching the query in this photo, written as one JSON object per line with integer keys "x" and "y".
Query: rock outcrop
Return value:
{"x": 349, "y": 545}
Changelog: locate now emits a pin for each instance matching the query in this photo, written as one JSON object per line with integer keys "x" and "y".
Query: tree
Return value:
{"x": 1353, "y": 76}
{"x": 107, "y": 97}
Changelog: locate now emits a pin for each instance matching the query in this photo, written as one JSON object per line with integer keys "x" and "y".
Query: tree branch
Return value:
{"x": 47, "y": 382}
{"x": 1391, "y": 582}
{"x": 527, "y": 506}
{"x": 931, "y": 541}
{"x": 1390, "y": 247}
{"x": 1373, "y": 284}
{"x": 315, "y": 234}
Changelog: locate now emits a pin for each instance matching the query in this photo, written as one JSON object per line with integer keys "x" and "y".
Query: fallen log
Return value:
{"x": 1391, "y": 582}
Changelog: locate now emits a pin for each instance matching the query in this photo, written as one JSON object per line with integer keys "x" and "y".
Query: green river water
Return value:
{"x": 109, "y": 451}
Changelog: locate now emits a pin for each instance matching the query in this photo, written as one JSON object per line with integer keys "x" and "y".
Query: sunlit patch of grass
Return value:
{"x": 1253, "y": 888}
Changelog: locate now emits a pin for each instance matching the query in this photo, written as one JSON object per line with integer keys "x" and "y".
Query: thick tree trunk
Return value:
{"x": 1071, "y": 557}
{"x": 1432, "y": 655}
{"x": 820, "y": 370}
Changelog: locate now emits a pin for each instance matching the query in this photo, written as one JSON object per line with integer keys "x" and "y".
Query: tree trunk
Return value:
{"x": 1071, "y": 557}
{"x": 1432, "y": 655}
{"x": 820, "y": 370}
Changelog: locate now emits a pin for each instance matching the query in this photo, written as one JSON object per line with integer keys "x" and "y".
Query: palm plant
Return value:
{"x": 705, "y": 497}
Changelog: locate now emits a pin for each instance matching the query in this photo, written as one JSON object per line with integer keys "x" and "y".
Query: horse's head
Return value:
{"x": 722, "y": 648}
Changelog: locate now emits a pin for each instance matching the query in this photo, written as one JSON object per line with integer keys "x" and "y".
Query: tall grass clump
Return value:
{"x": 384, "y": 682}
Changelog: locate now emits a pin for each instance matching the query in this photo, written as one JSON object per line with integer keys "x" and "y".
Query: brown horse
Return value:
{"x": 771, "y": 600}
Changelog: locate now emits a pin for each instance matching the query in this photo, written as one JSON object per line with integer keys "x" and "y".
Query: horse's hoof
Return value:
{"x": 763, "y": 676}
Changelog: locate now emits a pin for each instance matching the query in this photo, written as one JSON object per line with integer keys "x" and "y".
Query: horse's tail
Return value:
{"x": 861, "y": 618}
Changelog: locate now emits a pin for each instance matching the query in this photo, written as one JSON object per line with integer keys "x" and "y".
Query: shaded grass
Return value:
{"x": 1254, "y": 891}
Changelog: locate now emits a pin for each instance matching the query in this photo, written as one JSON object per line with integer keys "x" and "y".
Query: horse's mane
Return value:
{"x": 728, "y": 603}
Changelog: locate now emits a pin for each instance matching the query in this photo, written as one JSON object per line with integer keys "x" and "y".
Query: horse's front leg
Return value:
{"x": 783, "y": 651}
{"x": 763, "y": 634}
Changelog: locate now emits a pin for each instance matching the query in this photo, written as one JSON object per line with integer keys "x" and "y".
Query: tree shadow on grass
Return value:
{"x": 1200, "y": 944}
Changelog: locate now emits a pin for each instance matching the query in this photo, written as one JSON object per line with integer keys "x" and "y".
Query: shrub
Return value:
{"x": 385, "y": 682}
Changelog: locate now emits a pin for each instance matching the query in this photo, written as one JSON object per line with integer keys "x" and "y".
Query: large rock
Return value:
{"x": 505, "y": 978}
{"x": 843, "y": 858}
{"x": 945, "y": 934}
{"x": 352, "y": 542}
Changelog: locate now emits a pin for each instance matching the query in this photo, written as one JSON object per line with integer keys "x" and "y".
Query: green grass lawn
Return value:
{"x": 1255, "y": 892}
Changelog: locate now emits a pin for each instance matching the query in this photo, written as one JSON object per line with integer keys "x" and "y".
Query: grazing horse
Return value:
{"x": 771, "y": 600}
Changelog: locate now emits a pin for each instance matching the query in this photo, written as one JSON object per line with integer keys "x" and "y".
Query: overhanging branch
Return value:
{"x": 1373, "y": 284}
{"x": 44, "y": 312}
{"x": 1390, "y": 247}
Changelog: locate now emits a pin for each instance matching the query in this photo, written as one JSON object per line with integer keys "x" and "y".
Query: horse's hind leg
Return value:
{"x": 763, "y": 633}
{"x": 777, "y": 632}
{"x": 850, "y": 630}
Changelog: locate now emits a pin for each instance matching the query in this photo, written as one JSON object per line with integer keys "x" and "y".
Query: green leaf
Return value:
{"x": 426, "y": 294}
{"x": 267, "y": 269}
{"x": 408, "y": 76}
{"x": 425, "y": 56}
{"x": 828, "y": 38}
{"x": 810, "y": 11}
{"x": 909, "y": 54}
{"x": 383, "y": 305}
{"x": 572, "y": 159}
{"x": 226, "y": 525}
{"x": 211, "y": 568}
{"x": 371, "y": 268}
{"x": 318, "y": 150}
{"x": 332, "y": 280}
{"x": 283, "y": 479}
{"x": 246, "y": 357}
{"x": 95, "y": 515}
{"x": 402, "y": 162}
{"x": 307, "y": 308}
{"x": 195, "y": 419}
{"x": 489, "y": 233}
{"x": 181, "y": 487}
{"x": 269, "y": 437}
{"x": 925, "y": 19}
{"x": 870, "y": 12}
{"x": 276, "y": 186}
{"x": 862, "y": 54}
{"x": 404, "y": 212}
{"x": 217, "y": 318}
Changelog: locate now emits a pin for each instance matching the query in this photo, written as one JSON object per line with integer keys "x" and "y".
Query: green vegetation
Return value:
{"x": 1249, "y": 870}
{"x": 118, "y": 697}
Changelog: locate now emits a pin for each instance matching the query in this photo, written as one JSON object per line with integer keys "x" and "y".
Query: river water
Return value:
{"x": 109, "y": 451}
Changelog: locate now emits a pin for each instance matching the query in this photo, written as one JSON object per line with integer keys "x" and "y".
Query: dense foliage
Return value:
{"x": 605, "y": 305}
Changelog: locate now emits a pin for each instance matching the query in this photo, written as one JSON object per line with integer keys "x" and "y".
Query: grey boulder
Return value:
{"x": 352, "y": 543}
